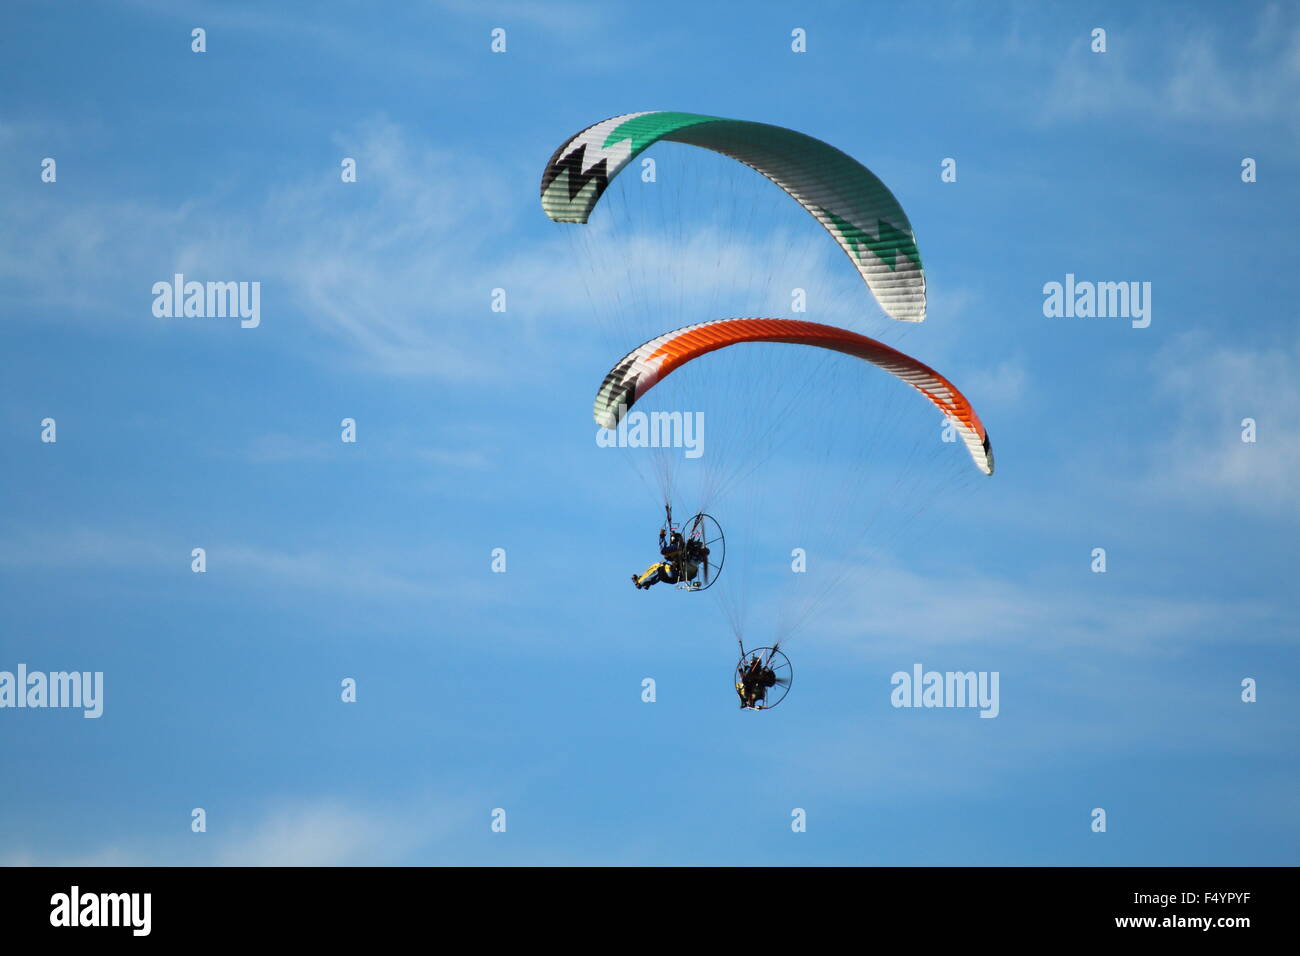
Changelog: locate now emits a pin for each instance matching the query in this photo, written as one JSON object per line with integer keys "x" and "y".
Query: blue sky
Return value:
{"x": 522, "y": 690}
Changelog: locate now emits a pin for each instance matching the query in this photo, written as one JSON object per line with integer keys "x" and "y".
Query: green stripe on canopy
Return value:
{"x": 850, "y": 201}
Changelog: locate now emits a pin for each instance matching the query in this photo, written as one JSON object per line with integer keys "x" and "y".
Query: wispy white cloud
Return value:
{"x": 111, "y": 855}
{"x": 1212, "y": 388}
{"x": 1192, "y": 72}
{"x": 378, "y": 575}
{"x": 281, "y": 448}
{"x": 1002, "y": 384}
{"x": 400, "y": 281}
{"x": 415, "y": 573}
{"x": 314, "y": 832}
{"x": 322, "y": 834}
{"x": 886, "y": 610}
{"x": 320, "y": 30}
{"x": 84, "y": 547}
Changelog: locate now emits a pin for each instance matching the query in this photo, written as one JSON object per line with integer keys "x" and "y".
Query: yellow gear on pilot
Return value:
{"x": 651, "y": 572}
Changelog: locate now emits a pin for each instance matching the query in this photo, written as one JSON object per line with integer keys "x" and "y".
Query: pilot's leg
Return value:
{"x": 651, "y": 575}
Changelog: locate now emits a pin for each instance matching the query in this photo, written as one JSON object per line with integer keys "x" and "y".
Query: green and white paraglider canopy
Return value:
{"x": 850, "y": 201}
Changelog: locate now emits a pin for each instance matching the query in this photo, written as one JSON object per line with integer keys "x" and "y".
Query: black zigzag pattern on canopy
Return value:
{"x": 577, "y": 178}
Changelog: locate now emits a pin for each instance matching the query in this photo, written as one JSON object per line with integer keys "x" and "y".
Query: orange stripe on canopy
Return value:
{"x": 642, "y": 369}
